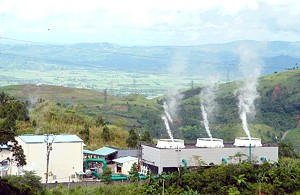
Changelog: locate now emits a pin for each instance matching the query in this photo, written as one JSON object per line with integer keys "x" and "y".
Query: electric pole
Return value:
{"x": 49, "y": 148}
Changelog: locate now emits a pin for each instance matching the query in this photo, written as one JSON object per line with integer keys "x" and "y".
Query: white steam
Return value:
{"x": 177, "y": 68}
{"x": 164, "y": 118}
{"x": 250, "y": 66}
{"x": 208, "y": 105}
{"x": 206, "y": 122}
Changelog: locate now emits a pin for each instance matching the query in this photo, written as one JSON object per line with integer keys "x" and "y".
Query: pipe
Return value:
{"x": 263, "y": 159}
{"x": 224, "y": 160}
{"x": 86, "y": 165}
{"x": 185, "y": 164}
{"x": 250, "y": 153}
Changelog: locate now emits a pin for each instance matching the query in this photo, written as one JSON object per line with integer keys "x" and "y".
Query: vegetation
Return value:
{"x": 133, "y": 138}
{"x": 101, "y": 119}
{"x": 244, "y": 178}
{"x": 12, "y": 110}
{"x": 28, "y": 183}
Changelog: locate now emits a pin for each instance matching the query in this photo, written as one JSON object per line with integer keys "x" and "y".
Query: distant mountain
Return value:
{"x": 65, "y": 63}
{"x": 147, "y": 58}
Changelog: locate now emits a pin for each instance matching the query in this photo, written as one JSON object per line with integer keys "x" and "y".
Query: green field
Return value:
{"x": 117, "y": 83}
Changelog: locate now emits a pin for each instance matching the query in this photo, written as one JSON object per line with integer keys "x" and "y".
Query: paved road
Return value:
{"x": 283, "y": 136}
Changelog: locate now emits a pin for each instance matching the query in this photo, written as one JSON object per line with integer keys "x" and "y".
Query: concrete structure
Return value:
{"x": 65, "y": 159}
{"x": 209, "y": 143}
{"x": 5, "y": 163}
{"x": 245, "y": 141}
{"x": 124, "y": 164}
{"x": 160, "y": 160}
{"x": 170, "y": 143}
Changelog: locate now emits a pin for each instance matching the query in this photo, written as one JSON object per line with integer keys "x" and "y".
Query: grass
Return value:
{"x": 293, "y": 136}
{"x": 88, "y": 105}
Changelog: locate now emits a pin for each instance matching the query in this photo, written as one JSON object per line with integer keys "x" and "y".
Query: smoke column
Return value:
{"x": 208, "y": 105}
{"x": 205, "y": 119}
{"x": 164, "y": 118}
{"x": 250, "y": 66}
{"x": 167, "y": 112}
{"x": 167, "y": 119}
{"x": 177, "y": 68}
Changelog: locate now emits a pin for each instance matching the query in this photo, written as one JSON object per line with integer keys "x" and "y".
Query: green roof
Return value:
{"x": 105, "y": 151}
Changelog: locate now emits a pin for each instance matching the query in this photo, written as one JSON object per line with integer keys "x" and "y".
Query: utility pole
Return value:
{"x": 228, "y": 77}
{"x": 49, "y": 148}
{"x": 105, "y": 96}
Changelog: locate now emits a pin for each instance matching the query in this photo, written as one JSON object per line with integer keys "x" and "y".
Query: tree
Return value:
{"x": 106, "y": 136}
{"x": 10, "y": 111}
{"x": 132, "y": 139}
{"x": 19, "y": 155}
{"x": 237, "y": 156}
{"x": 85, "y": 133}
{"x": 106, "y": 175}
{"x": 240, "y": 179}
{"x": 134, "y": 172}
{"x": 286, "y": 150}
{"x": 28, "y": 183}
{"x": 100, "y": 122}
{"x": 146, "y": 137}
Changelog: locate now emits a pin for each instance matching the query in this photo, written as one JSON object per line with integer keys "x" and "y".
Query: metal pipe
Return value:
{"x": 224, "y": 160}
{"x": 184, "y": 163}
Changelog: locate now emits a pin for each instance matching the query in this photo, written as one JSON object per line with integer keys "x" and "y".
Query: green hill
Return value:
{"x": 68, "y": 110}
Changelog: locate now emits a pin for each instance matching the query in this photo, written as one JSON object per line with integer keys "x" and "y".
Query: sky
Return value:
{"x": 150, "y": 22}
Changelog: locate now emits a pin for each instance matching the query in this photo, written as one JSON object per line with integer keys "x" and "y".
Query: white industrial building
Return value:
{"x": 124, "y": 164}
{"x": 65, "y": 159}
{"x": 5, "y": 163}
{"x": 168, "y": 156}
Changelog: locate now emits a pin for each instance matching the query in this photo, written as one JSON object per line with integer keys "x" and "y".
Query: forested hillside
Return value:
{"x": 69, "y": 110}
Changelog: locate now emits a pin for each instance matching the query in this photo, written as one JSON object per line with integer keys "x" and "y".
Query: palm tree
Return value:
{"x": 238, "y": 156}
{"x": 240, "y": 179}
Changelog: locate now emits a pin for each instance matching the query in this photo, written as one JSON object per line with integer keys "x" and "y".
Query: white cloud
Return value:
{"x": 152, "y": 22}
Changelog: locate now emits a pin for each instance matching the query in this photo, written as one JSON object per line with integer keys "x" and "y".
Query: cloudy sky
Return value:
{"x": 150, "y": 22}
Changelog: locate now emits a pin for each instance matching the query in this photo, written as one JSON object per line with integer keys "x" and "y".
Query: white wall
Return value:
{"x": 4, "y": 154}
{"x": 64, "y": 160}
{"x": 126, "y": 166}
{"x": 173, "y": 157}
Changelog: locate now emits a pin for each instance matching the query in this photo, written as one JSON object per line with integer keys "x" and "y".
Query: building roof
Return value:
{"x": 63, "y": 138}
{"x": 125, "y": 159}
{"x": 105, "y": 151}
{"x": 127, "y": 152}
{"x": 5, "y": 146}
{"x": 89, "y": 152}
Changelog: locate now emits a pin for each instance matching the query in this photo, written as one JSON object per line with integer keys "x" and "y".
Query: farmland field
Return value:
{"x": 118, "y": 83}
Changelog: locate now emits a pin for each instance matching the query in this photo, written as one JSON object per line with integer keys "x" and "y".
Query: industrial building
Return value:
{"x": 65, "y": 158}
{"x": 124, "y": 164}
{"x": 5, "y": 159}
{"x": 168, "y": 156}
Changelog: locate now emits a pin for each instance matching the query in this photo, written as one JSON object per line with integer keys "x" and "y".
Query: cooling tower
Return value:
{"x": 169, "y": 143}
{"x": 245, "y": 142}
{"x": 209, "y": 143}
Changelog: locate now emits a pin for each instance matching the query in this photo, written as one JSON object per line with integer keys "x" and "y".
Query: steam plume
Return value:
{"x": 208, "y": 105}
{"x": 164, "y": 118}
{"x": 177, "y": 68}
{"x": 250, "y": 66}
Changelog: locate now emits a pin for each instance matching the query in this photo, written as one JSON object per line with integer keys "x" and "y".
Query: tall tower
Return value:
{"x": 105, "y": 96}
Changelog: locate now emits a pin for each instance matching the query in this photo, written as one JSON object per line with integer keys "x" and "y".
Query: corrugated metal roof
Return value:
{"x": 89, "y": 152}
{"x": 125, "y": 159}
{"x": 104, "y": 151}
{"x": 30, "y": 138}
{"x": 129, "y": 152}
